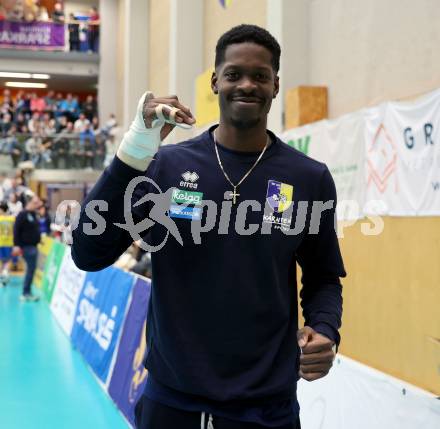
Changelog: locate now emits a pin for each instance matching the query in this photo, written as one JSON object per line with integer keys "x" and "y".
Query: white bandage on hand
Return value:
{"x": 140, "y": 143}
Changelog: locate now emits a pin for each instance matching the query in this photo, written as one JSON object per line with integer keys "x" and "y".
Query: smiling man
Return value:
{"x": 224, "y": 348}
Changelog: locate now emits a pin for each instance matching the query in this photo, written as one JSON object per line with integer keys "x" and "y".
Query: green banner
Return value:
{"x": 51, "y": 269}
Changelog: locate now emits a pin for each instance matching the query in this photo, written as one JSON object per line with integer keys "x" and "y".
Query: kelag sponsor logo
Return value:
{"x": 180, "y": 196}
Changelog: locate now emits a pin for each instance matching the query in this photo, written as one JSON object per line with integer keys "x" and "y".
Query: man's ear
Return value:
{"x": 276, "y": 86}
{"x": 214, "y": 83}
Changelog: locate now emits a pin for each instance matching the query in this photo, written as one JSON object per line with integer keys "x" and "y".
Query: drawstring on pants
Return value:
{"x": 202, "y": 422}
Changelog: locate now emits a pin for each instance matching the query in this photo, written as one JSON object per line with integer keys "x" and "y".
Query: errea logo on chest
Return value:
{"x": 189, "y": 180}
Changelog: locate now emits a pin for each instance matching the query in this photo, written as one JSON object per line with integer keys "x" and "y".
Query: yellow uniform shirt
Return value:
{"x": 6, "y": 230}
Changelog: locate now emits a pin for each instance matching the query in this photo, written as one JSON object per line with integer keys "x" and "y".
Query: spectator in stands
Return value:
{"x": 27, "y": 104}
{"x": 61, "y": 124}
{"x": 66, "y": 148}
{"x": 88, "y": 144}
{"x": 89, "y": 107}
{"x": 73, "y": 28}
{"x": 20, "y": 179}
{"x": 60, "y": 148}
{"x": 50, "y": 102}
{"x": 6, "y": 186}
{"x": 44, "y": 219}
{"x": 45, "y": 159}
{"x": 81, "y": 123}
{"x": 21, "y": 106}
{"x": 43, "y": 14}
{"x": 37, "y": 103}
{"x": 34, "y": 145}
{"x": 100, "y": 152}
{"x": 17, "y": 150}
{"x": 19, "y": 120}
{"x": 93, "y": 29}
{"x": 15, "y": 206}
{"x": 3, "y": 177}
{"x": 31, "y": 10}
{"x": 50, "y": 128}
{"x": 69, "y": 107}
{"x": 6, "y": 242}
{"x": 95, "y": 126}
{"x": 6, "y": 94}
{"x": 110, "y": 124}
{"x": 58, "y": 13}
{"x": 6, "y": 106}
{"x": 44, "y": 122}
{"x": 8, "y": 140}
{"x": 26, "y": 238}
{"x": 35, "y": 140}
{"x": 5, "y": 124}
{"x": 34, "y": 122}
{"x": 24, "y": 131}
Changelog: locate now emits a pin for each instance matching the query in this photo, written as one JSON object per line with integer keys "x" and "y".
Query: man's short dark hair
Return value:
{"x": 248, "y": 33}
{"x": 4, "y": 206}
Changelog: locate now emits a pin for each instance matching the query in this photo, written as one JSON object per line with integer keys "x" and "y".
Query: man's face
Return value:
{"x": 246, "y": 84}
{"x": 34, "y": 204}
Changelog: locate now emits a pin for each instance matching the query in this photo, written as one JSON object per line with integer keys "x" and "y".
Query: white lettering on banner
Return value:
{"x": 27, "y": 36}
{"x": 67, "y": 291}
{"x": 98, "y": 324}
{"x": 90, "y": 291}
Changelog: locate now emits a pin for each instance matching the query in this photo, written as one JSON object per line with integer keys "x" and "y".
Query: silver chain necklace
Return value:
{"x": 234, "y": 193}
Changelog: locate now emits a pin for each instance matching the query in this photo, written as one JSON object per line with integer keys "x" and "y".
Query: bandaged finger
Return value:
{"x": 139, "y": 141}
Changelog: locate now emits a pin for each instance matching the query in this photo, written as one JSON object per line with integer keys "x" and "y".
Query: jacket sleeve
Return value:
{"x": 17, "y": 229}
{"x": 96, "y": 252}
{"x": 321, "y": 262}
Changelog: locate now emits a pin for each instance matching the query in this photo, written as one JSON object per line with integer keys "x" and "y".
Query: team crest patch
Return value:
{"x": 279, "y": 195}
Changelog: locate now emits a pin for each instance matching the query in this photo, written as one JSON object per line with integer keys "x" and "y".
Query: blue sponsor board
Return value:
{"x": 99, "y": 316}
{"x": 129, "y": 375}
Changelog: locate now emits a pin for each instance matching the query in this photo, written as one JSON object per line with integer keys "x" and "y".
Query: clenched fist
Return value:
{"x": 317, "y": 354}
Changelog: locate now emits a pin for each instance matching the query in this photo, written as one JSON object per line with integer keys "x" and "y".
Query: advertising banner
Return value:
{"x": 31, "y": 35}
{"x": 51, "y": 269}
{"x": 354, "y": 395}
{"x": 403, "y": 156}
{"x": 129, "y": 375}
{"x": 65, "y": 296}
{"x": 99, "y": 316}
{"x": 340, "y": 145}
{"x": 43, "y": 251}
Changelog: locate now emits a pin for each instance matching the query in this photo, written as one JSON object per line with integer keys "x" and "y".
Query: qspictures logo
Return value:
{"x": 161, "y": 207}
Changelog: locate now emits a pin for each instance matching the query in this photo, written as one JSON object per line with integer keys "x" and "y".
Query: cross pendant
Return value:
{"x": 234, "y": 195}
